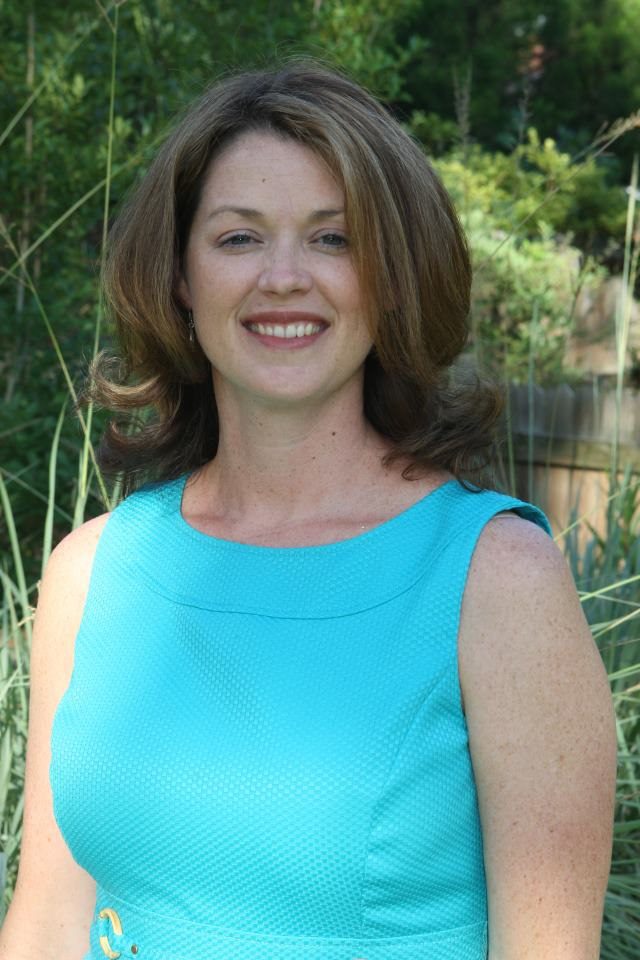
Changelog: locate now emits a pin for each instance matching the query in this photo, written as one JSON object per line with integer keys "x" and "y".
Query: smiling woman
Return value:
{"x": 304, "y": 694}
{"x": 380, "y": 209}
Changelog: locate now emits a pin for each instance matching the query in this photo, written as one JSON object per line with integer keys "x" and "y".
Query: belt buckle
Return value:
{"x": 109, "y": 914}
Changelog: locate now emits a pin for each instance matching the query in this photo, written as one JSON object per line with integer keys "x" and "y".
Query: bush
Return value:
{"x": 523, "y": 301}
{"x": 530, "y": 216}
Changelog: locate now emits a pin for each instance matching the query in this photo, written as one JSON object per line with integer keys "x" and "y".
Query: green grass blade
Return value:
{"x": 53, "y": 461}
{"x": 17, "y": 556}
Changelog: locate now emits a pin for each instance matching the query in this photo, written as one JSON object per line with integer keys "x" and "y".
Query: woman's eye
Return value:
{"x": 237, "y": 240}
{"x": 334, "y": 240}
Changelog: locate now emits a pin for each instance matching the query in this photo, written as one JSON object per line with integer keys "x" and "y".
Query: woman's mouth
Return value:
{"x": 285, "y": 330}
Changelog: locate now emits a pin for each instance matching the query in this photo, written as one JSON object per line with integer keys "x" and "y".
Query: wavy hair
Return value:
{"x": 410, "y": 255}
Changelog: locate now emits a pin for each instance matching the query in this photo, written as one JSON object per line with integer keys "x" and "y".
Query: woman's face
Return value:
{"x": 269, "y": 275}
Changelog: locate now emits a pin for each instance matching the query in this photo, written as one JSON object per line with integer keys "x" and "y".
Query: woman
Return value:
{"x": 327, "y": 700}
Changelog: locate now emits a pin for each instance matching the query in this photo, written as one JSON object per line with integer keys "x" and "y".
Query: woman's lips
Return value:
{"x": 285, "y": 331}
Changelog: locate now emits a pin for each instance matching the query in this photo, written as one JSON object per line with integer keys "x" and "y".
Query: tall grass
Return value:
{"x": 607, "y": 571}
{"x": 606, "y": 568}
{"x": 19, "y": 597}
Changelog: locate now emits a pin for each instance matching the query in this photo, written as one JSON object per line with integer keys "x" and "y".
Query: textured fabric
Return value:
{"x": 262, "y": 754}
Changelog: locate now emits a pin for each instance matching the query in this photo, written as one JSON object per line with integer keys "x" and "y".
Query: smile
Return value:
{"x": 288, "y": 331}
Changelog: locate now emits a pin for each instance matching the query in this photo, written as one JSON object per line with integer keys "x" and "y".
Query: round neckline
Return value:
{"x": 359, "y": 538}
{"x": 313, "y": 582}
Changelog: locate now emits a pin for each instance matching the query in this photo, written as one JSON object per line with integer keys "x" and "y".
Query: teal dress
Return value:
{"x": 262, "y": 754}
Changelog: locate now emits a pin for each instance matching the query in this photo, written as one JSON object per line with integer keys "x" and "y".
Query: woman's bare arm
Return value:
{"x": 543, "y": 745}
{"x": 53, "y": 903}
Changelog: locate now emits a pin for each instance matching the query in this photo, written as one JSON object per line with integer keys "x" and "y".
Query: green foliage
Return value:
{"x": 537, "y": 186}
{"x": 567, "y": 67}
{"x": 361, "y": 35}
{"x": 521, "y": 212}
{"x": 523, "y": 302}
{"x": 437, "y": 135}
{"x": 481, "y": 47}
{"x": 15, "y": 633}
{"x": 593, "y": 56}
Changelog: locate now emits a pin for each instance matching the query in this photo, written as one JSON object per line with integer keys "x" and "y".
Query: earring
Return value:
{"x": 192, "y": 327}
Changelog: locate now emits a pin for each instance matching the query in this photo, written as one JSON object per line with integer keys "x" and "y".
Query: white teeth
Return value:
{"x": 288, "y": 331}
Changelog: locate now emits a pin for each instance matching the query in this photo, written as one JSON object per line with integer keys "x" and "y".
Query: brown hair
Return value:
{"x": 410, "y": 254}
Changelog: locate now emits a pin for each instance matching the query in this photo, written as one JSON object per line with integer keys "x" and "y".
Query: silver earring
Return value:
{"x": 192, "y": 327}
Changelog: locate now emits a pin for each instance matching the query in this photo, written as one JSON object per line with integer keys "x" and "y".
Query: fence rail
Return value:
{"x": 565, "y": 441}
{"x": 575, "y": 427}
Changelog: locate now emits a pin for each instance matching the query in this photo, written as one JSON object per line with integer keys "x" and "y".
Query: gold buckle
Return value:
{"x": 109, "y": 914}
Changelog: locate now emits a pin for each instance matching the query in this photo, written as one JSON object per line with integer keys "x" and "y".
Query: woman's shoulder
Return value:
{"x": 511, "y": 546}
{"x": 68, "y": 568}
{"x": 515, "y": 562}
{"x": 143, "y": 505}
{"x": 80, "y": 544}
{"x": 62, "y": 594}
{"x": 520, "y": 602}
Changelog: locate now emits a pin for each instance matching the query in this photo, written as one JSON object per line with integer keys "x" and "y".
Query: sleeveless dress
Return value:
{"x": 262, "y": 754}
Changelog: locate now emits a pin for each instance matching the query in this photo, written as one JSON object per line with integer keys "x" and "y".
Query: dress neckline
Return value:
{"x": 334, "y": 579}
{"x": 379, "y": 530}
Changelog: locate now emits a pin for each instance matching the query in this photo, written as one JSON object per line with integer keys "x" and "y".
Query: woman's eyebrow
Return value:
{"x": 324, "y": 214}
{"x": 252, "y": 214}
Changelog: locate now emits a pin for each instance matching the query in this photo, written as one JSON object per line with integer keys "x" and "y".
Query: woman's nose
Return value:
{"x": 284, "y": 271}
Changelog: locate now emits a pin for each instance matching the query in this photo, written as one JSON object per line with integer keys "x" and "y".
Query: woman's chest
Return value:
{"x": 257, "y": 750}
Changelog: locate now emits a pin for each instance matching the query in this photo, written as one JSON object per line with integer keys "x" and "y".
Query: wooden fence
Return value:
{"x": 565, "y": 441}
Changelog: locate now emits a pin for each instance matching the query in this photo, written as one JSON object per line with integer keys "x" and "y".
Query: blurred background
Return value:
{"x": 529, "y": 110}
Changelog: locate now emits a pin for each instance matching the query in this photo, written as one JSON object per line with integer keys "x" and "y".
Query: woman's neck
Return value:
{"x": 280, "y": 464}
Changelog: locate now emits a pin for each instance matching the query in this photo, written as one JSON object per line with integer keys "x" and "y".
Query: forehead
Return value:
{"x": 262, "y": 164}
